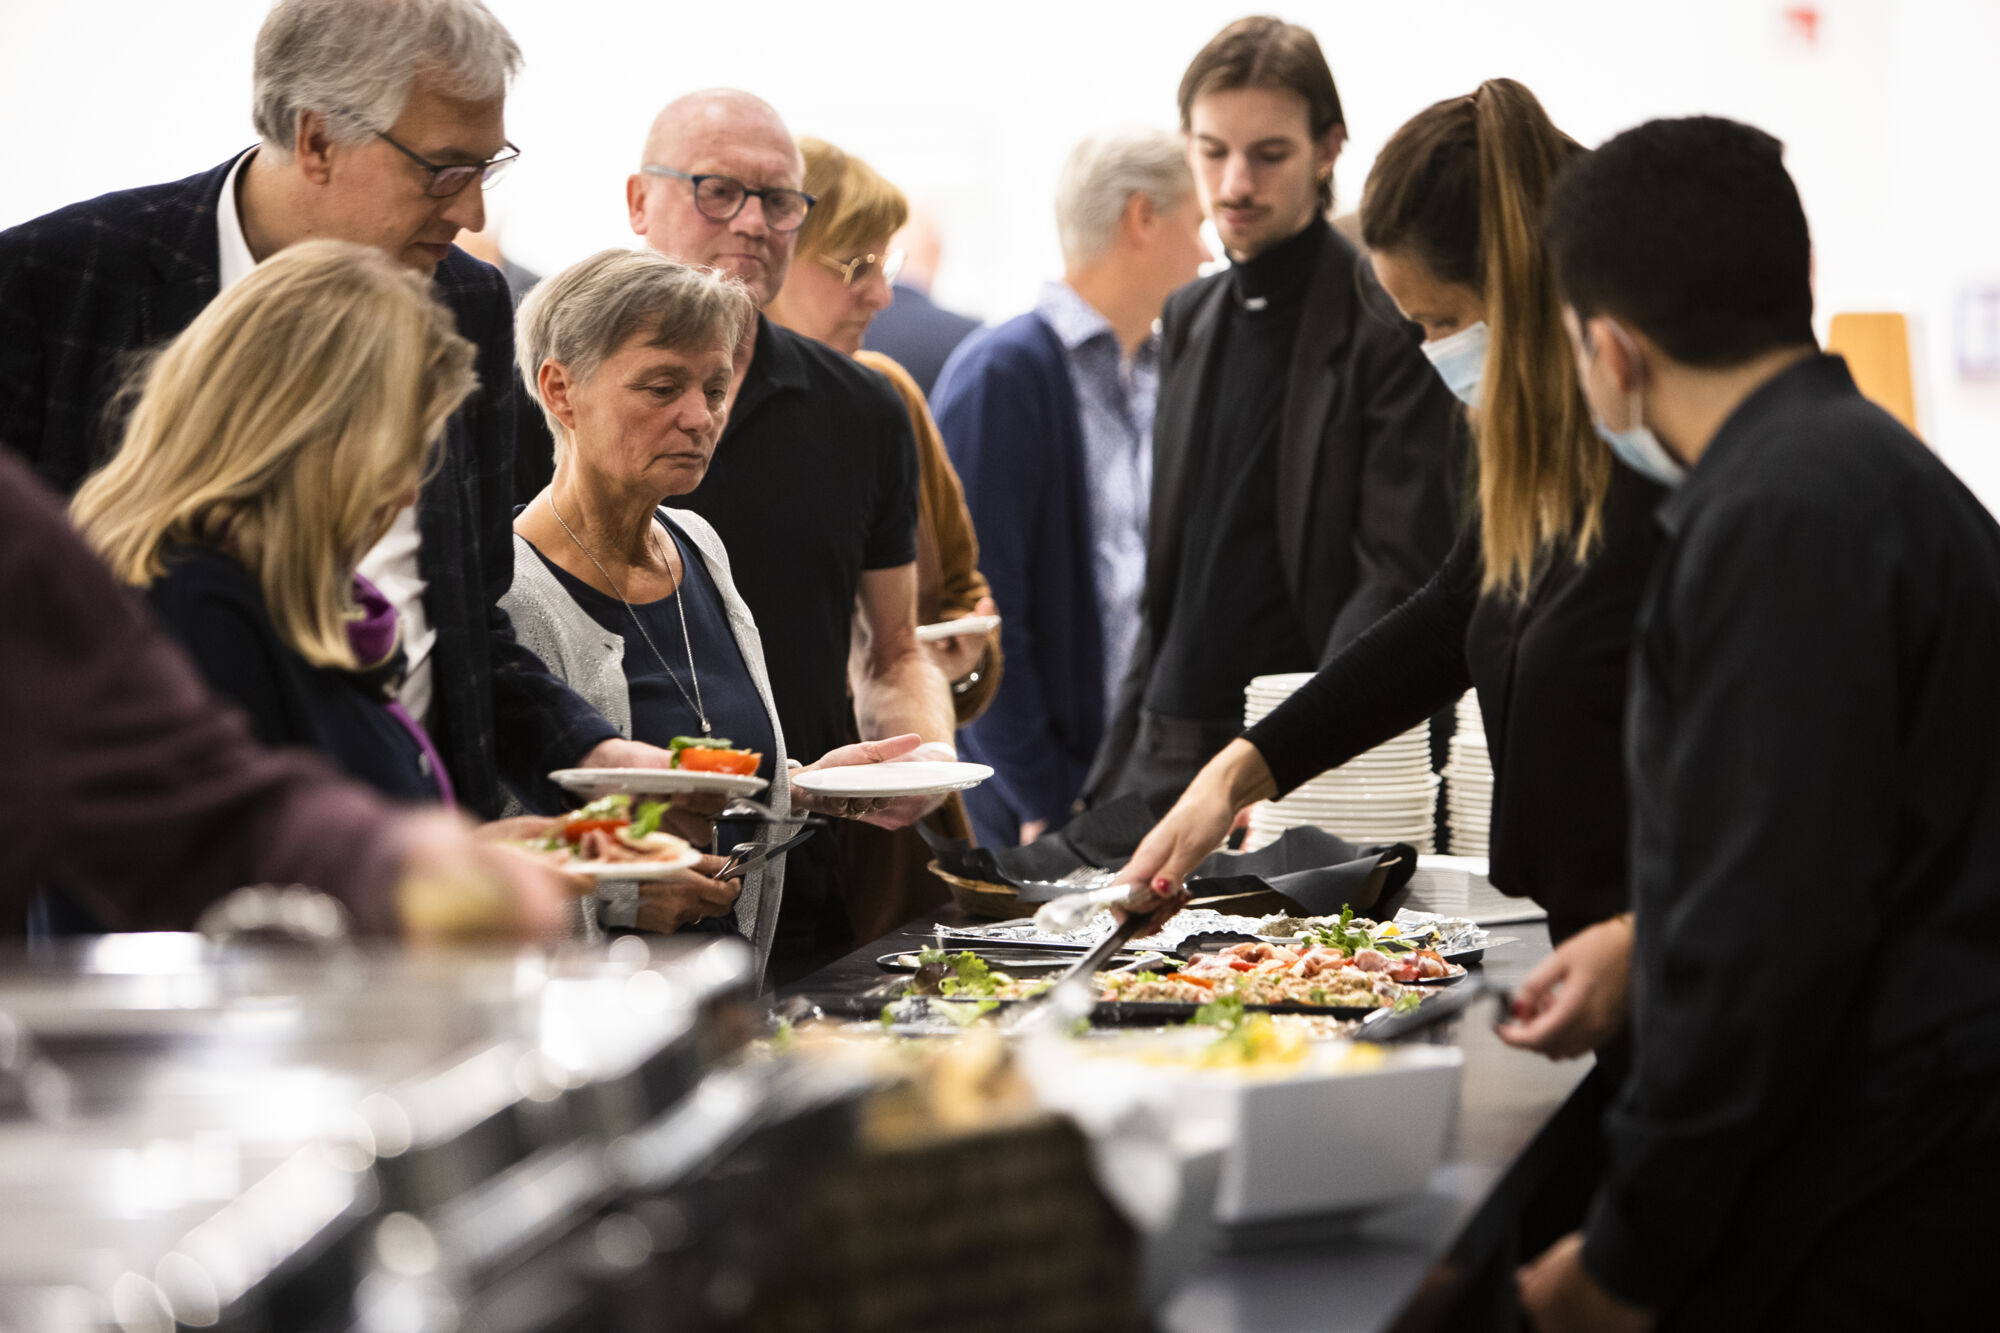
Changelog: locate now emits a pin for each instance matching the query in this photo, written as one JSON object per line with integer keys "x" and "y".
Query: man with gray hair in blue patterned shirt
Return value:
{"x": 1049, "y": 421}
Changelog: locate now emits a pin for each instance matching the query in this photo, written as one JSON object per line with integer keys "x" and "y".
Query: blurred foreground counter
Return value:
{"x": 368, "y": 1140}
{"x": 373, "y": 1140}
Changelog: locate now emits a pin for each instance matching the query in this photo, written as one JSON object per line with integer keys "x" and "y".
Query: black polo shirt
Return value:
{"x": 1814, "y": 752}
{"x": 814, "y": 481}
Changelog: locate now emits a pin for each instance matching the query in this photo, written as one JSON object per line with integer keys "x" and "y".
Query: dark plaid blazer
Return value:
{"x": 86, "y": 288}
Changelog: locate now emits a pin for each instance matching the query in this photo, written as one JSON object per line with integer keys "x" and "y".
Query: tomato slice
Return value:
{"x": 574, "y": 829}
{"x": 741, "y": 762}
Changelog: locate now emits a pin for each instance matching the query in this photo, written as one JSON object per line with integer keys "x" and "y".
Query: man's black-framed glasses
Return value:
{"x": 720, "y": 198}
{"x": 447, "y": 179}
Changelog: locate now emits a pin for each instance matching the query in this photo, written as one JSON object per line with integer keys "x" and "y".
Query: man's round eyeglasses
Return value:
{"x": 720, "y": 198}
{"x": 448, "y": 178}
{"x": 863, "y": 267}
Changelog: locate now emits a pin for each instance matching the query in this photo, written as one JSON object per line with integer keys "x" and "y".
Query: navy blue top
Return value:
{"x": 1008, "y": 413}
{"x": 215, "y": 607}
{"x": 660, "y": 711}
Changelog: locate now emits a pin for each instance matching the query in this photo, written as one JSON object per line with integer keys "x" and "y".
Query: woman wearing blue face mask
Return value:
{"x": 1534, "y": 606}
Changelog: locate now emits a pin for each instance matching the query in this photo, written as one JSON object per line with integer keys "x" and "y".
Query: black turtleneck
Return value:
{"x": 1232, "y": 617}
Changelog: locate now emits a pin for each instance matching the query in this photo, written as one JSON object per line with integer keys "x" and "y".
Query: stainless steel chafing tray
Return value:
{"x": 193, "y": 1136}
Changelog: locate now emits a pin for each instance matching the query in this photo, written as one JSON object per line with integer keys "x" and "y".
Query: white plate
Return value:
{"x": 1373, "y": 787}
{"x": 916, "y": 778}
{"x": 951, "y": 629}
{"x": 603, "y": 870}
{"x": 1362, "y": 804}
{"x": 654, "y": 781}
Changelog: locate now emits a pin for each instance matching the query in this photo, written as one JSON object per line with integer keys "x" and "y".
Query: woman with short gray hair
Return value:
{"x": 630, "y": 357}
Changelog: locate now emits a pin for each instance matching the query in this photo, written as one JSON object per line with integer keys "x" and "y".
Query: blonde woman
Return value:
{"x": 273, "y": 445}
{"x": 839, "y": 281}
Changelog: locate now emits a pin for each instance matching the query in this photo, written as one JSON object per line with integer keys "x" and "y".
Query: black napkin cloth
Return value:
{"x": 1319, "y": 872}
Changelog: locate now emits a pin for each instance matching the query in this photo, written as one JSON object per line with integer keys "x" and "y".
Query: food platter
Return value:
{"x": 870, "y": 1004}
{"x": 1052, "y": 959}
{"x": 1014, "y": 960}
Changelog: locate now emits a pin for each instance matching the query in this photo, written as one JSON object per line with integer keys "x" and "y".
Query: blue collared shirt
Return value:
{"x": 1114, "y": 400}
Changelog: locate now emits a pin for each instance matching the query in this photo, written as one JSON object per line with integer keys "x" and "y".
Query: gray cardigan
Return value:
{"x": 591, "y": 660}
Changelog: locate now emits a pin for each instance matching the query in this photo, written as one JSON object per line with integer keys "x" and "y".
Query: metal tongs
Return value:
{"x": 747, "y": 856}
{"x": 1074, "y": 994}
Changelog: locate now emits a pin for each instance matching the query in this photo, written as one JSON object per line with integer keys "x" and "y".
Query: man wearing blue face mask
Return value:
{"x": 1814, "y": 754}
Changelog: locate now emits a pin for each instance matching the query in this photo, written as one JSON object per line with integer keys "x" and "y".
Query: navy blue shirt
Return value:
{"x": 660, "y": 711}
{"x": 215, "y": 607}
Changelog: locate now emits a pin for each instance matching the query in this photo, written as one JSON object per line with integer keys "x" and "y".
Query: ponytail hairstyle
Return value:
{"x": 1461, "y": 189}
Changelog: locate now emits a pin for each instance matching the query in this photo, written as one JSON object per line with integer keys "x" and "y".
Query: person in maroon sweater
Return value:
{"x": 124, "y": 779}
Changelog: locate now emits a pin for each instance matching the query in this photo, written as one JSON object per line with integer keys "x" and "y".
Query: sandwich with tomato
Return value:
{"x": 611, "y": 828}
{"x": 712, "y": 754}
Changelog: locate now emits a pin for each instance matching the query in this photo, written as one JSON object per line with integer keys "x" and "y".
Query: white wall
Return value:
{"x": 1888, "y": 115}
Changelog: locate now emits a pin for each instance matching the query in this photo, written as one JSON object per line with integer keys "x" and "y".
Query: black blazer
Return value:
{"x": 1368, "y": 454}
{"x": 85, "y": 288}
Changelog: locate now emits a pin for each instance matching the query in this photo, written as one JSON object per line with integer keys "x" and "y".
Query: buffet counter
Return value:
{"x": 368, "y": 1140}
{"x": 1441, "y": 1259}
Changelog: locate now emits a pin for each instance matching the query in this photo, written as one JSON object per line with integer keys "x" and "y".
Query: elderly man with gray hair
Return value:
{"x": 379, "y": 122}
{"x": 1049, "y": 421}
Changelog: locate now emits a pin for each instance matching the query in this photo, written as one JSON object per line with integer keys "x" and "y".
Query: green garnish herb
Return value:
{"x": 966, "y": 1014}
{"x": 679, "y": 743}
{"x": 1224, "y": 1011}
{"x": 929, "y": 954}
{"x": 972, "y": 977}
{"x": 1408, "y": 1000}
{"x": 646, "y": 818}
{"x": 1344, "y": 935}
{"x": 1317, "y": 995}
{"x": 614, "y": 806}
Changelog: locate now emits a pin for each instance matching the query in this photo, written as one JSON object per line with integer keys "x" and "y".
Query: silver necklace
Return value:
{"x": 680, "y": 603}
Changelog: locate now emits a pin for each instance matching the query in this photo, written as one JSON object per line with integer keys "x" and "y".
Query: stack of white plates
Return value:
{"x": 1386, "y": 795}
{"x": 1468, "y": 783}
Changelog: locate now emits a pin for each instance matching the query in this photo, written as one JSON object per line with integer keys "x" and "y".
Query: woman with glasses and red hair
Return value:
{"x": 839, "y": 281}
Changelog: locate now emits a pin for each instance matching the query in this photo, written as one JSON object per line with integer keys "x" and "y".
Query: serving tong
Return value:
{"x": 747, "y": 856}
{"x": 1074, "y": 995}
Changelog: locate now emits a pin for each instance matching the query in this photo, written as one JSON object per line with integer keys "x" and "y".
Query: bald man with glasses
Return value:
{"x": 814, "y": 487}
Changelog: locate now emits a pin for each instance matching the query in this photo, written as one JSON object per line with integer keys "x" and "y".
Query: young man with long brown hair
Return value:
{"x": 1302, "y": 481}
